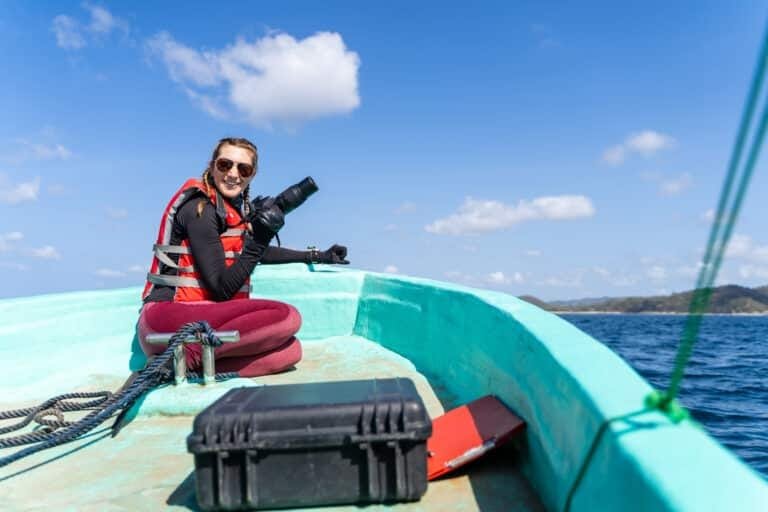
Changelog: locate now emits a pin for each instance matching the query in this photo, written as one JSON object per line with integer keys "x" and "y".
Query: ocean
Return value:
{"x": 726, "y": 381}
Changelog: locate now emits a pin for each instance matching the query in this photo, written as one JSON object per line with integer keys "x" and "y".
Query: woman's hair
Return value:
{"x": 208, "y": 179}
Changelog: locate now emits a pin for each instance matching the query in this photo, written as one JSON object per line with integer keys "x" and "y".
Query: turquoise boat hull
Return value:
{"x": 457, "y": 343}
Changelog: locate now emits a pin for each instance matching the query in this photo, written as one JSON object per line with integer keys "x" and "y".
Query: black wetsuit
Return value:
{"x": 205, "y": 244}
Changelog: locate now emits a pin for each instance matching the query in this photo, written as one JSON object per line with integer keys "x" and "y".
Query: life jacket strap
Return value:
{"x": 183, "y": 281}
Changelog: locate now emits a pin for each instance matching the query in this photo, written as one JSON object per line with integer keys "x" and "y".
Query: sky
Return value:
{"x": 555, "y": 149}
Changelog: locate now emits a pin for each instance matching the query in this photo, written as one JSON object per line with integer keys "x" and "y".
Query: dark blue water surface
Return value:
{"x": 726, "y": 381}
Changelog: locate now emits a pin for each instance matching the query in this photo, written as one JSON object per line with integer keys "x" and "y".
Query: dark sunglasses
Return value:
{"x": 223, "y": 165}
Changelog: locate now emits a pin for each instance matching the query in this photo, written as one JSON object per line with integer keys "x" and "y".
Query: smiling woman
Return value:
{"x": 210, "y": 240}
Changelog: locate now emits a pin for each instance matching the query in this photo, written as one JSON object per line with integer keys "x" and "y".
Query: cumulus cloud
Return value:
{"x": 501, "y": 278}
{"x": 47, "y": 252}
{"x": 275, "y": 79}
{"x": 646, "y": 143}
{"x": 72, "y": 34}
{"x": 477, "y": 216}
{"x": 18, "y": 193}
{"x": 744, "y": 247}
{"x": 391, "y": 269}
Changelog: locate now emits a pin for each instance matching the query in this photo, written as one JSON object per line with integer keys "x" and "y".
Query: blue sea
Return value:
{"x": 726, "y": 381}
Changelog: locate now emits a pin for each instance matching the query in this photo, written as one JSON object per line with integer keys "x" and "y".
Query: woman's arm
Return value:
{"x": 204, "y": 242}
{"x": 275, "y": 255}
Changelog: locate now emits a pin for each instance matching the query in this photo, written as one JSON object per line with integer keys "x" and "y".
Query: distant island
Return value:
{"x": 728, "y": 299}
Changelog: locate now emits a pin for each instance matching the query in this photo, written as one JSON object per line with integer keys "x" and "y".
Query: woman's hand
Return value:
{"x": 336, "y": 254}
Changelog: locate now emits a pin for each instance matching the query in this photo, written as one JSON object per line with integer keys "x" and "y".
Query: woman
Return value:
{"x": 210, "y": 239}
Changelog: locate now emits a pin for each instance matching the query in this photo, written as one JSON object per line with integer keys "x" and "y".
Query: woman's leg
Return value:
{"x": 266, "y": 327}
{"x": 276, "y": 360}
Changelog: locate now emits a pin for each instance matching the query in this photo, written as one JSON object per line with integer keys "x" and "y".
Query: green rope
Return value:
{"x": 729, "y": 205}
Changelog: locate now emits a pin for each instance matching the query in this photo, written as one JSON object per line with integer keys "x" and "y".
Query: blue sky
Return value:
{"x": 535, "y": 148}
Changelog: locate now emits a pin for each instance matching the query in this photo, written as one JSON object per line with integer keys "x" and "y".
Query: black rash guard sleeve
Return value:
{"x": 204, "y": 243}
{"x": 274, "y": 255}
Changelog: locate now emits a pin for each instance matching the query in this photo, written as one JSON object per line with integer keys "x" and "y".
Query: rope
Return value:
{"x": 734, "y": 189}
{"x": 159, "y": 370}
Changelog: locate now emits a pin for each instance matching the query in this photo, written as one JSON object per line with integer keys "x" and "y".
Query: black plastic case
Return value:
{"x": 311, "y": 444}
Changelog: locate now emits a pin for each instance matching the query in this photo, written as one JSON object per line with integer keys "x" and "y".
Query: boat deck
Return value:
{"x": 147, "y": 466}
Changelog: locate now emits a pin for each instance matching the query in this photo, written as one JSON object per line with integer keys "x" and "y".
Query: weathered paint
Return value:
{"x": 466, "y": 342}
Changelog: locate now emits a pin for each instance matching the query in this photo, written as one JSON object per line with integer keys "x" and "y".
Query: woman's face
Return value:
{"x": 231, "y": 183}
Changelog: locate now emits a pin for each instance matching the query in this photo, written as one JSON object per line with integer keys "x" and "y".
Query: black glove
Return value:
{"x": 266, "y": 221}
{"x": 336, "y": 254}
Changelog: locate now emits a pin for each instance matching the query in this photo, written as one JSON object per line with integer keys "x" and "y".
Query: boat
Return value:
{"x": 456, "y": 343}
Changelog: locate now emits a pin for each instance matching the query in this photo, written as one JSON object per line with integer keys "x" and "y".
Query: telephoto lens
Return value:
{"x": 292, "y": 197}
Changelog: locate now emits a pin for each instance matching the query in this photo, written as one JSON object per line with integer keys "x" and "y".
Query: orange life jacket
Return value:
{"x": 183, "y": 275}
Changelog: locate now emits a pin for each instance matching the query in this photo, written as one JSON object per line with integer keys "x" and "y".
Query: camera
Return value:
{"x": 292, "y": 197}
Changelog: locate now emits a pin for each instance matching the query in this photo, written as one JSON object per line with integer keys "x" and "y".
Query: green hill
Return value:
{"x": 726, "y": 299}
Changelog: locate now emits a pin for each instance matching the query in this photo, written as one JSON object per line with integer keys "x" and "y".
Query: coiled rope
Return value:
{"x": 56, "y": 432}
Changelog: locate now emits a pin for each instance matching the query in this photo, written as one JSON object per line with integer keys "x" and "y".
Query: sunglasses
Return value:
{"x": 223, "y": 165}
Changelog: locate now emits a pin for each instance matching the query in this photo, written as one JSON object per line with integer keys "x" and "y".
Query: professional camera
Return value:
{"x": 269, "y": 211}
{"x": 292, "y": 197}
{"x": 289, "y": 199}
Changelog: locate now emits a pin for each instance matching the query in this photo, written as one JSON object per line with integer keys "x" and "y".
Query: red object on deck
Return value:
{"x": 463, "y": 434}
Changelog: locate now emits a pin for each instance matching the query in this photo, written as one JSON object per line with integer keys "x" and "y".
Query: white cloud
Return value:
{"x": 497, "y": 278}
{"x": 7, "y": 239}
{"x": 72, "y": 34}
{"x": 649, "y": 142}
{"x": 391, "y": 269}
{"x": 102, "y": 21}
{"x": 138, "y": 269}
{"x": 108, "y": 272}
{"x": 563, "y": 281}
{"x": 646, "y": 143}
{"x": 615, "y": 278}
{"x": 47, "y": 252}
{"x": 750, "y": 271}
{"x": 275, "y": 79}
{"x": 743, "y": 247}
{"x": 13, "y": 265}
{"x": 68, "y": 33}
{"x": 614, "y": 155}
{"x": 501, "y": 278}
{"x": 56, "y": 151}
{"x": 656, "y": 273}
{"x": 117, "y": 213}
{"x": 533, "y": 252}
{"x": 673, "y": 187}
{"x": 20, "y": 192}
{"x": 24, "y": 150}
{"x": 708, "y": 215}
{"x": 477, "y": 216}
{"x": 406, "y": 207}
